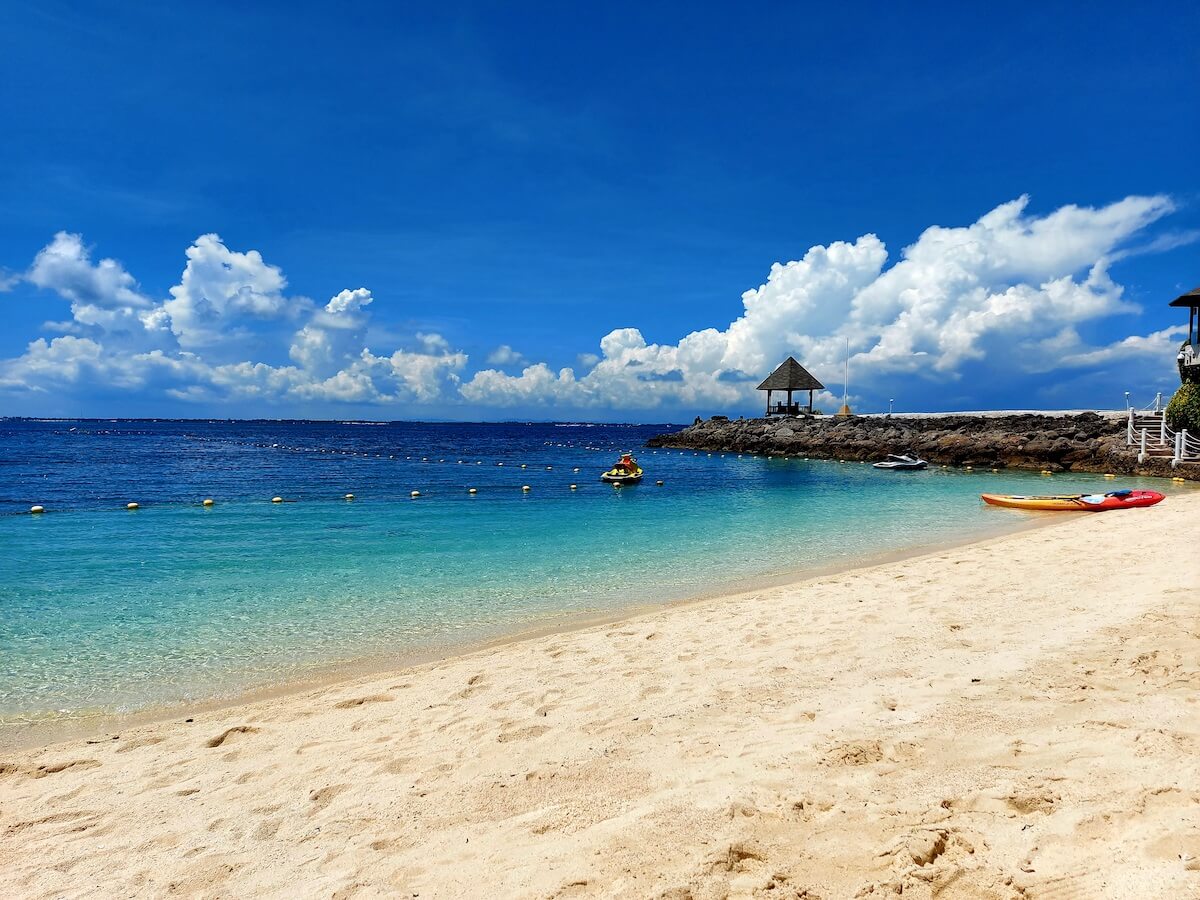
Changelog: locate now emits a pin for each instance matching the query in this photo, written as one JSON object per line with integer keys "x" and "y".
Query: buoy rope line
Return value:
{"x": 210, "y": 503}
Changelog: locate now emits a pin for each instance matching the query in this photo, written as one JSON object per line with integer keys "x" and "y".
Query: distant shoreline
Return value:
{"x": 370, "y": 422}
{"x": 212, "y": 420}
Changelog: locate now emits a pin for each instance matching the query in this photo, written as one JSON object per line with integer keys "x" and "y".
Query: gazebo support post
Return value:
{"x": 768, "y": 402}
{"x": 810, "y": 402}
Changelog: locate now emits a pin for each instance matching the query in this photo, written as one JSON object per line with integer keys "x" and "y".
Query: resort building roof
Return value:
{"x": 1191, "y": 298}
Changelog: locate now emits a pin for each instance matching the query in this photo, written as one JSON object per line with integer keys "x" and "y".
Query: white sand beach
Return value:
{"x": 1013, "y": 718}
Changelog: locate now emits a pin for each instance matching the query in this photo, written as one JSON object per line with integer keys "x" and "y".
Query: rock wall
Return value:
{"x": 1086, "y": 442}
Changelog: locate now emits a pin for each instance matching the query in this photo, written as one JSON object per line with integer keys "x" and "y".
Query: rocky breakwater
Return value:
{"x": 1084, "y": 442}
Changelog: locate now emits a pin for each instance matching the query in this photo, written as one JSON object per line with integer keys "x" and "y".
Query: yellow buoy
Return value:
{"x": 994, "y": 471}
{"x": 131, "y": 506}
{"x": 207, "y": 502}
{"x": 415, "y": 494}
{"x": 525, "y": 487}
{"x": 616, "y": 484}
{"x": 574, "y": 487}
{"x": 349, "y": 496}
{"x": 1047, "y": 472}
{"x": 1109, "y": 475}
{"x": 472, "y": 491}
{"x": 1178, "y": 480}
{"x": 37, "y": 509}
{"x": 969, "y": 468}
{"x": 276, "y": 499}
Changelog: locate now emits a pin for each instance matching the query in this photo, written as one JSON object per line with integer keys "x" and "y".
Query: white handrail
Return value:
{"x": 1148, "y": 428}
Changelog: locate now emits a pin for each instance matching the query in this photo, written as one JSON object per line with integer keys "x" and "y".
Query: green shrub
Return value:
{"x": 1184, "y": 409}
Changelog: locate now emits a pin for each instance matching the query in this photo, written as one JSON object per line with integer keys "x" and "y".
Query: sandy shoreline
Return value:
{"x": 1010, "y": 718}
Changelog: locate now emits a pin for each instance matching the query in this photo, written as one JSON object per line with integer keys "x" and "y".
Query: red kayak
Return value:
{"x": 1126, "y": 499}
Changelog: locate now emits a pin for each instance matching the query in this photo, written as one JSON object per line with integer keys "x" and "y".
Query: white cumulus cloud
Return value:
{"x": 207, "y": 339}
{"x": 223, "y": 294}
{"x": 1010, "y": 293}
{"x": 984, "y": 293}
{"x": 505, "y": 355}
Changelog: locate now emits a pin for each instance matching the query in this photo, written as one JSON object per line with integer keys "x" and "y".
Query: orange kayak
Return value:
{"x": 1125, "y": 499}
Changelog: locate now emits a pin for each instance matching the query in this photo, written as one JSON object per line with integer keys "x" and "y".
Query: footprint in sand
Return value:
{"x": 55, "y": 768}
{"x": 228, "y": 733}
{"x": 322, "y": 797}
{"x": 135, "y": 743}
{"x": 359, "y": 701}
{"x": 475, "y": 684}
{"x": 854, "y": 753}
{"x": 522, "y": 734}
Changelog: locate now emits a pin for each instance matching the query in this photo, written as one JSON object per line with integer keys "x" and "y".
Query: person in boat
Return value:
{"x": 627, "y": 464}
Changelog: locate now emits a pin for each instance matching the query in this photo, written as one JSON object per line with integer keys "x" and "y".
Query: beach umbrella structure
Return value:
{"x": 789, "y": 377}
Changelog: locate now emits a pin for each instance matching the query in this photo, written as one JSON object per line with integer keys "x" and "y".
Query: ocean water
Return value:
{"x": 104, "y": 609}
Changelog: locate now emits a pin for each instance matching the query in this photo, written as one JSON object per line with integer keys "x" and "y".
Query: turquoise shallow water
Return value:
{"x": 107, "y": 610}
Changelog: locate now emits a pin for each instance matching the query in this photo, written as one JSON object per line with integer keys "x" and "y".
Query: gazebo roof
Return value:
{"x": 790, "y": 376}
{"x": 1191, "y": 298}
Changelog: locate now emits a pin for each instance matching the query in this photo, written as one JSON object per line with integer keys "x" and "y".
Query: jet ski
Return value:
{"x": 908, "y": 462}
{"x": 625, "y": 471}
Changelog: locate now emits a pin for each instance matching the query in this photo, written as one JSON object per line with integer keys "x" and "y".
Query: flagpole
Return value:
{"x": 845, "y": 410}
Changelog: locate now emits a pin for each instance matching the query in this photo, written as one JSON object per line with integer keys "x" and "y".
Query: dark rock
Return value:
{"x": 1087, "y": 442}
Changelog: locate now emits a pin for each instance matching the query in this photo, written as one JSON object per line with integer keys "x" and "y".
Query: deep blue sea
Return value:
{"x": 104, "y": 609}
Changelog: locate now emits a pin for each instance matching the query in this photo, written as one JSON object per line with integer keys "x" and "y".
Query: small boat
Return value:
{"x": 1126, "y": 499}
{"x": 625, "y": 471}
{"x": 908, "y": 462}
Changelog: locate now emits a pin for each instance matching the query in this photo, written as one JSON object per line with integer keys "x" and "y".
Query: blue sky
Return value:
{"x": 554, "y": 187}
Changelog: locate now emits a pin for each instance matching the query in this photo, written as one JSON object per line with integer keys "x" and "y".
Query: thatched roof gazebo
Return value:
{"x": 790, "y": 376}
